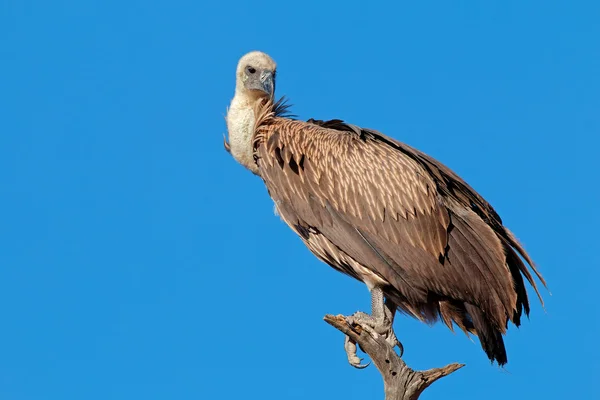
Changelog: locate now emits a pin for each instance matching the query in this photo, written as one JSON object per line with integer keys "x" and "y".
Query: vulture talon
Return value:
{"x": 394, "y": 342}
{"x": 400, "y": 348}
{"x": 361, "y": 366}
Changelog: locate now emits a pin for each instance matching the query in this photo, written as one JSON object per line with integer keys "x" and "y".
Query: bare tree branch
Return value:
{"x": 400, "y": 381}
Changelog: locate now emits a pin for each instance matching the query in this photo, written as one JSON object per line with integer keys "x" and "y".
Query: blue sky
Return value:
{"x": 138, "y": 260}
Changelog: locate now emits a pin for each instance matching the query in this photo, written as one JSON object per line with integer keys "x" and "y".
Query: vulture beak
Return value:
{"x": 268, "y": 83}
{"x": 263, "y": 82}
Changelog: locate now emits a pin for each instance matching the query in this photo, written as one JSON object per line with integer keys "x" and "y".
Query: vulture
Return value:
{"x": 422, "y": 240}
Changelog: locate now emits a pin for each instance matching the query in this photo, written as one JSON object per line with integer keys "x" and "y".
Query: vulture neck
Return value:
{"x": 240, "y": 125}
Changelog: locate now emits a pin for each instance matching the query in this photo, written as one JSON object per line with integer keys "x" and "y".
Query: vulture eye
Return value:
{"x": 251, "y": 70}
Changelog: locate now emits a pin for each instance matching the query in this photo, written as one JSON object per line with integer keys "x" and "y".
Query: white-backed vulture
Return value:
{"x": 384, "y": 213}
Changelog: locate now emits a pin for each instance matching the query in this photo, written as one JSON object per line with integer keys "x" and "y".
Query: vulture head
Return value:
{"x": 256, "y": 75}
{"x": 255, "y": 81}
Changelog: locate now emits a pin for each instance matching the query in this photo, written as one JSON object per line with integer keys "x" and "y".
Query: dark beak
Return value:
{"x": 267, "y": 82}
{"x": 263, "y": 82}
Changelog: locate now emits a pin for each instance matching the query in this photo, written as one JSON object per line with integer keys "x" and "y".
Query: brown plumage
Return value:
{"x": 383, "y": 213}
{"x": 361, "y": 200}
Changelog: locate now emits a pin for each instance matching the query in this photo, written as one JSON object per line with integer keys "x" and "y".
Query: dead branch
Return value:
{"x": 400, "y": 381}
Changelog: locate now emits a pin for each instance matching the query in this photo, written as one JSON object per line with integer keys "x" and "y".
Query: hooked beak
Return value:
{"x": 268, "y": 83}
{"x": 265, "y": 83}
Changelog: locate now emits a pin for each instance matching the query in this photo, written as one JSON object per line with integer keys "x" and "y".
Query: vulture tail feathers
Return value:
{"x": 489, "y": 335}
{"x": 454, "y": 311}
{"x": 515, "y": 264}
{"x": 514, "y": 242}
{"x": 518, "y": 270}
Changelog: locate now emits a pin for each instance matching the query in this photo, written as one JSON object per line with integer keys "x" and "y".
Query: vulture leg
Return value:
{"x": 380, "y": 321}
{"x": 390, "y": 313}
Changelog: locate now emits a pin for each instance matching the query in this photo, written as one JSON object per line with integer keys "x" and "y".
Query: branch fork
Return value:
{"x": 400, "y": 381}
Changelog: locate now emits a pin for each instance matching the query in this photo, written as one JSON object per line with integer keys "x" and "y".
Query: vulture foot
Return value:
{"x": 379, "y": 323}
{"x": 353, "y": 359}
{"x": 379, "y": 326}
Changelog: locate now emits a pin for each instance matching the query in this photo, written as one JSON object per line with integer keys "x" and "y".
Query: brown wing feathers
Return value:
{"x": 362, "y": 200}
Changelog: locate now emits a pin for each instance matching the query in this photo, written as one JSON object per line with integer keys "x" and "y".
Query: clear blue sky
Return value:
{"x": 139, "y": 261}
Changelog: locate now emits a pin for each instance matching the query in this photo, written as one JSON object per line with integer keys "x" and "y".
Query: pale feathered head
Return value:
{"x": 256, "y": 75}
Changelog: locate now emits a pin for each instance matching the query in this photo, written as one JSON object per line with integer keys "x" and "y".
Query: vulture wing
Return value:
{"x": 389, "y": 215}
